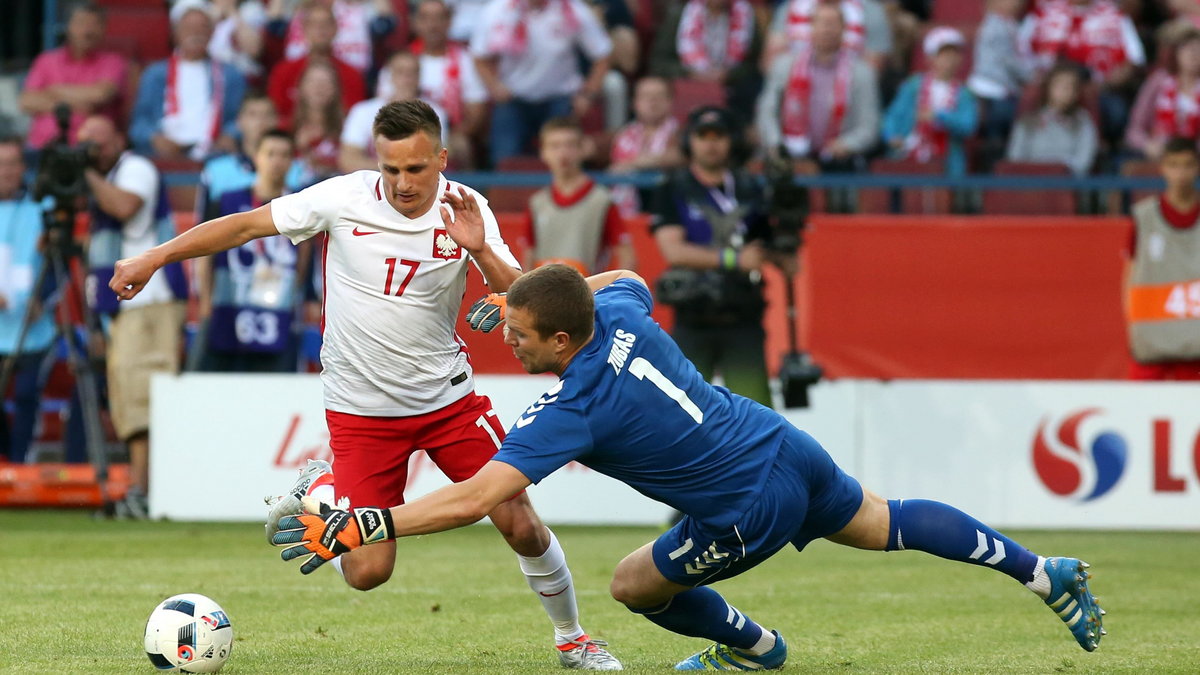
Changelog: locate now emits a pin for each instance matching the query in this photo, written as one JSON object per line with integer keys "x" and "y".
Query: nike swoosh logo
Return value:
{"x": 551, "y": 595}
{"x": 362, "y": 233}
{"x": 525, "y": 421}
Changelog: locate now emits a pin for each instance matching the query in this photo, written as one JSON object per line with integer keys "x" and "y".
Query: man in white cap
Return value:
{"x": 187, "y": 103}
{"x": 933, "y": 113}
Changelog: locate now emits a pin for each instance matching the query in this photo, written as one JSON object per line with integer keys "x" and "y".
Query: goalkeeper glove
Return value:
{"x": 326, "y": 532}
{"x": 487, "y": 312}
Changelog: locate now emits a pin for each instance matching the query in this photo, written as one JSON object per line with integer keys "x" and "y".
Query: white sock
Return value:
{"x": 337, "y": 565}
{"x": 324, "y": 493}
{"x": 765, "y": 644}
{"x": 1040, "y": 583}
{"x": 550, "y": 578}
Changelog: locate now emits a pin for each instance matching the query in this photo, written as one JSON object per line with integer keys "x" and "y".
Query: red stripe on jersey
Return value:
{"x": 462, "y": 346}
{"x": 378, "y": 194}
{"x": 324, "y": 280}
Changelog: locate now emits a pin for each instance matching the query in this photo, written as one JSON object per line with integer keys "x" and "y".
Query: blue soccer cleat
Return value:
{"x": 1073, "y": 602}
{"x": 724, "y": 657}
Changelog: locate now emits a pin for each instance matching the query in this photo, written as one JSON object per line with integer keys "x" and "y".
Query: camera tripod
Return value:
{"x": 58, "y": 251}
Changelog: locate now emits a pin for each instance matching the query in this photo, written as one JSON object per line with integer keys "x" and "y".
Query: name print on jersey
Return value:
{"x": 622, "y": 343}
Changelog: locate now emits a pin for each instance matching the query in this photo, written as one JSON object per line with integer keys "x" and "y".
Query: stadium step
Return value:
{"x": 59, "y": 485}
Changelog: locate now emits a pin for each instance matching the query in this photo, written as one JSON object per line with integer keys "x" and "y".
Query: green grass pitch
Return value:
{"x": 75, "y": 593}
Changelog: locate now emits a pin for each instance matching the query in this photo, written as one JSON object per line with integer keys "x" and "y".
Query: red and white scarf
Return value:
{"x": 798, "y": 28}
{"x": 1092, "y": 35}
{"x": 1176, "y": 113}
{"x": 449, "y": 92}
{"x": 171, "y": 104}
{"x": 633, "y": 140}
{"x": 352, "y": 43}
{"x": 693, "y": 24}
{"x": 928, "y": 139}
{"x": 510, "y": 36}
{"x": 794, "y": 113}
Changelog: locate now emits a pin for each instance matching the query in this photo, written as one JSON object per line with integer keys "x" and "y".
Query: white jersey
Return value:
{"x": 393, "y": 291}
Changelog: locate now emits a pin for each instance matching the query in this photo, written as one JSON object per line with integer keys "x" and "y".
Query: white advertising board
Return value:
{"x": 1013, "y": 454}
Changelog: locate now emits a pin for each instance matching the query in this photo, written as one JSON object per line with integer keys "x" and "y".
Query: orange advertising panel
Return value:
{"x": 966, "y": 297}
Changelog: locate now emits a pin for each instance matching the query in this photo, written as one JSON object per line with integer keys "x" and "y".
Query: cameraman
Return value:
{"x": 20, "y": 230}
{"x": 710, "y": 222}
{"x": 130, "y": 214}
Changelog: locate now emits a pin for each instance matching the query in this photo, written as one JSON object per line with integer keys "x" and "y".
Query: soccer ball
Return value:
{"x": 189, "y": 633}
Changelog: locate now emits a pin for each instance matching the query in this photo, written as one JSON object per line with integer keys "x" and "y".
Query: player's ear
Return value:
{"x": 562, "y": 340}
{"x": 443, "y": 155}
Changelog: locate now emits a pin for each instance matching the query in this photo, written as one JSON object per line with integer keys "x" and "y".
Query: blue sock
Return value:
{"x": 702, "y": 612}
{"x": 944, "y": 531}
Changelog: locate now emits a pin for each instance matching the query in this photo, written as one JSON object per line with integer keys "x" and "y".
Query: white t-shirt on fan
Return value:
{"x": 393, "y": 292}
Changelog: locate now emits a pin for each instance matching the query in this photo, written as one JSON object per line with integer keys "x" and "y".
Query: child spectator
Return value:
{"x": 1000, "y": 68}
{"x": 1060, "y": 131}
{"x": 933, "y": 113}
{"x": 649, "y": 142}
{"x": 1168, "y": 103}
{"x": 574, "y": 220}
{"x": 248, "y": 294}
{"x": 1163, "y": 268}
{"x": 1095, "y": 34}
{"x": 320, "y": 30}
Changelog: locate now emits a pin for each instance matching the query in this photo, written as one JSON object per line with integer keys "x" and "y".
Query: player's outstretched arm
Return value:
{"x": 598, "y": 281}
{"x": 323, "y": 533}
{"x": 132, "y": 274}
{"x": 467, "y": 229}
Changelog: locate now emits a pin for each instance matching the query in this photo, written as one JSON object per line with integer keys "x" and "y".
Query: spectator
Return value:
{"x": 715, "y": 41}
{"x": 237, "y": 36}
{"x": 1001, "y": 69}
{"x": 649, "y": 143}
{"x": 464, "y": 17}
{"x": 867, "y": 32}
{"x": 320, "y": 27}
{"x": 1185, "y": 17}
{"x": 624, "y": 59}
{"x": 186, "y": 104}
{"x": 80, "y": 74}
{"x": 573, "y": 221}
{"x": 317, "y": 126}
{"x": 1161, "y": 284}
{"x": 1168, "y": 104}
{"x": 821, "y": 104}
{"x": 1095, "y": 34}
{"x": 130, "y": 214}
{"x": 235, "y": 170}
{"x": 710, "y": 223}
{"x": 448, "y": 78}
{"x": 933, "y": 113}
{"x": 525, "y": 51}
{"x": 357, "y": 136}
{"x": 20, "y": 261}
{"x": 248, "y": 295}
{"x": 359, "y": 23}
{"x": 1060, "y": 131}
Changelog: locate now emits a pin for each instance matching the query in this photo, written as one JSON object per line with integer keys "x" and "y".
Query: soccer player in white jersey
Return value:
{"x": 396, "y": 375}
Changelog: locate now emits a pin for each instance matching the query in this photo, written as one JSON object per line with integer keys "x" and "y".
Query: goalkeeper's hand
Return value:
{"x": 487, "y": 312}
{"x": 324, "y": 532}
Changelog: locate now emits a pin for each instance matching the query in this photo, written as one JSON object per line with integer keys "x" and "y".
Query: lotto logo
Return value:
{"x": 1081, "y": 471}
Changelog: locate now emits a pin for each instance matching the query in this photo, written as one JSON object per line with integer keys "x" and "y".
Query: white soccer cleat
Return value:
{"x": 289, "y": 504}
{"x": 587, "y": 654}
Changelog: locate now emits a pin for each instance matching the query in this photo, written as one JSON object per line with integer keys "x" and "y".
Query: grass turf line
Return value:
{"x": 75, "y": 594}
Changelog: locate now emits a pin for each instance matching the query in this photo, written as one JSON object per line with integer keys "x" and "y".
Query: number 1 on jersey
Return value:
{"x": 391, "y": 265}
{"x": 644, "y": 370}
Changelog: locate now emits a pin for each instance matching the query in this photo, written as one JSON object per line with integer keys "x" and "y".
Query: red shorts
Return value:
{"x": 370, "y": 454}
{"x": 1168, "y": 370}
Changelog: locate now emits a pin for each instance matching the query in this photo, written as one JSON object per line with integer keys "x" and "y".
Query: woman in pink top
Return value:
{"x": 1168, "y": 103}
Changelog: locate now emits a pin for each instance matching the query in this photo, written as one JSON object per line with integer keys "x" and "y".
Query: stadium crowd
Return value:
{"x": 261, "y": 99}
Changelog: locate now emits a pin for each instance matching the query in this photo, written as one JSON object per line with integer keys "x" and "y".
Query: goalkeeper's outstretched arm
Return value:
{"x": 130, "y": 275}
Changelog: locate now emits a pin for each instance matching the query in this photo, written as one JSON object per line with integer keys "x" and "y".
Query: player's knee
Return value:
{"x": 365, "y": 576}
{"x": 624, "y": 589}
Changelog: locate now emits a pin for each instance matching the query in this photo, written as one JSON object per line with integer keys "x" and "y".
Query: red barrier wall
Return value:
{"x": 966, "y": 297}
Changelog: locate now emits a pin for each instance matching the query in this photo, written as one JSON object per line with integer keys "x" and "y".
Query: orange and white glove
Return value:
{"x": 324, "y": 532}
{"x": 487, "y": 312}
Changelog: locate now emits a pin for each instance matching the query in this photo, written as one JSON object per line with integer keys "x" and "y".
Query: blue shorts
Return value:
{"x": 806, "y": 496}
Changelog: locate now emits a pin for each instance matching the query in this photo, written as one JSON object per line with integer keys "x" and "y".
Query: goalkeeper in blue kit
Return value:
{"x": 630, "y": 406}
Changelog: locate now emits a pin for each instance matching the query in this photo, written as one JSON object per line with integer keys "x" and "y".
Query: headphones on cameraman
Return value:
{"x": 739, "y": 150}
